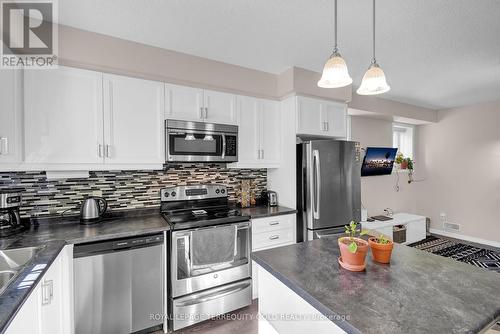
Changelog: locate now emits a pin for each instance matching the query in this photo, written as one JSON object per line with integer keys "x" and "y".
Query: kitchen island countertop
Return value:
{"x": 418, "y": 292}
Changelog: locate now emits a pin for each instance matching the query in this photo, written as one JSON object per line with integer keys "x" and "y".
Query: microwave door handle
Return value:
{"x": 317, "y": 184}
{"x": 223, "y": 146}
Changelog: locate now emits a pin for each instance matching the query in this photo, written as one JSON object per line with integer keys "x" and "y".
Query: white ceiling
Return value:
{"x": 435, "y": 53}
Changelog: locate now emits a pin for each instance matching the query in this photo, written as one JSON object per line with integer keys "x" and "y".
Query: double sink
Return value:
{"x": 12, "y": 262}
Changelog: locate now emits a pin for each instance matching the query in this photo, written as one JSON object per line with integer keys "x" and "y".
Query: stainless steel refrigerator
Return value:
{"x": 328, "y": 187}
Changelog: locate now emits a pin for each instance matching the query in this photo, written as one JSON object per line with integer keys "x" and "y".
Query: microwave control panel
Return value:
{"x": 231, "y": 148}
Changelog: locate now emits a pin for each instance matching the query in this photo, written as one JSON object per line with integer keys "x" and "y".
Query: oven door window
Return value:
{"x": 195, "y": 144}
{"x": 186, "y": 267}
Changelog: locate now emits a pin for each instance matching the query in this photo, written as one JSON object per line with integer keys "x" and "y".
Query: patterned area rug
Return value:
{"x": 479, "y": 257}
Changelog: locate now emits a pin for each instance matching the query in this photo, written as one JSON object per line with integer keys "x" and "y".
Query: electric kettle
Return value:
{"x": 92, "y": 210}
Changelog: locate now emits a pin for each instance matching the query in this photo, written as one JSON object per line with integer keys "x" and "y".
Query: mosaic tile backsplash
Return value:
{"x": 122, "y": 189}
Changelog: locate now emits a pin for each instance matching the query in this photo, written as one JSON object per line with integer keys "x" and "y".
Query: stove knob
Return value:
{"x": 217, "y": 191}
{"x": 173, "y": 193}
{"x": 222, "y": 191}
{"x": 166, "y": 194}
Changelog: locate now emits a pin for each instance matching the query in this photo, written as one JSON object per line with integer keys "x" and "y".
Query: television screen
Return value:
{"x": 378, "y": 161}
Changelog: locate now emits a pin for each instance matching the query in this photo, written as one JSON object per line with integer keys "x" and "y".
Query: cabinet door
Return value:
{"x": 219, "y": 107}
{"x": 27, "y": 319}
{"x": 248, "y": 130}
{"x": 270, "y": 132}
{"x": 63, "y": 116}
{"x": 51, "y": 300}
{"x": 184, "y": 103}
{"x": 133, "y": 120}
{"x": 334, "y": 115}
{"x": 10, "y": 116}
{"x": 309, "y": 117}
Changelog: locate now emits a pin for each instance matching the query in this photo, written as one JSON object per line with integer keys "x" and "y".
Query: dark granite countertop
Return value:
{"x": 263, "y": 211}
{"x": 53, "y": 234}
{"x": 418, "y": 292}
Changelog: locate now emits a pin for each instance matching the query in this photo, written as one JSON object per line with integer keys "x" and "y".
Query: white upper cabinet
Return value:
{"x": 334, "y": 116}
{"x": 321, "y": 118}
{"x": 10, "y": 116}
{"x": 248, "y": 131}
{"x": 133, "y": 121}
{"x": 193, "y": 104}
{"x": 219, "y": 107}
{"x": 308, "y": 116}
{"x": 259, "y": 133}
{"x": 184, "y": 103}
{"x": 63, "y": 116}
{"x": 270, "y": 132}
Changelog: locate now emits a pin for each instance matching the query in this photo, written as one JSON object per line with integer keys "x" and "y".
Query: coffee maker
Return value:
{"x": 10, "y": 220}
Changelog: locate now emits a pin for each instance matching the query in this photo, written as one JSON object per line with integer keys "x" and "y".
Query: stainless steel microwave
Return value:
{"x": 200, "y": 142}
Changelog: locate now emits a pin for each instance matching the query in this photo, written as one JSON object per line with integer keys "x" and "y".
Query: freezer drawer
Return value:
{"x": 204, "y": 305}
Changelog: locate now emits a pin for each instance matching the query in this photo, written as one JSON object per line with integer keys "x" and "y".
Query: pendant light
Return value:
{"x": 335, "y": 73}
{"x": 374, "y": 81}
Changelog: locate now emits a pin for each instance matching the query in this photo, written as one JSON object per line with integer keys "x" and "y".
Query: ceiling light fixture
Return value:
{"x": 374, "y": 81}
{"x": 335, "y": 72}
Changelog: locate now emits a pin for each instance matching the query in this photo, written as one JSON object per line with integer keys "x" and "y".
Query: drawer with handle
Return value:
{"x": 272, "y": 239}
{"x": 274, "y": 223}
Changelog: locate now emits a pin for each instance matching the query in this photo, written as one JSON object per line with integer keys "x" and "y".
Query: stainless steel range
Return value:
{"x": 209, "y": 252}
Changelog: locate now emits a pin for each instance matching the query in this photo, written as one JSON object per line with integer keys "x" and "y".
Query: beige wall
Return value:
{"x": 95, "y": 51}
{"x": 378, "y": 192}
{"x": 460, "y": 161}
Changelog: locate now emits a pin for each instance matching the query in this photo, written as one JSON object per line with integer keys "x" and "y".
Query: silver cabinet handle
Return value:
{"x": 274, "y": 237}
{"x": 274, "y": 223}
{"x": 201, "y": 112}
{"x": 107, "y": 151}
{"x": 327, "y": 126}
{"x": 206, "y": 112}
{"x": 258, "y": 154}
{"x": 99, "y": 150}
{"x": 262, "y": 154}
{"x": 4, "y": 146}
{"x": 47, "y": 292}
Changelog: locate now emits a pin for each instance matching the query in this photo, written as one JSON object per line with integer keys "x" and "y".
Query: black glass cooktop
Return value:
{"x": 183, "y": 219}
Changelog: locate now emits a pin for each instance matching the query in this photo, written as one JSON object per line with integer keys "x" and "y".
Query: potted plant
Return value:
{"x": 409, "y": 163}
{"x": 381, "y": 248}
{"x": 399, "y": 159}
{"x": 353, "y": 249}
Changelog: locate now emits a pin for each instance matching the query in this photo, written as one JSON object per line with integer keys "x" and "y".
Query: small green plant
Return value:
{"x": 382, "y": 239}
{"x": 399, "y": 158}
{"x": 352, "y": 230}
{"x": 409, "y": 162}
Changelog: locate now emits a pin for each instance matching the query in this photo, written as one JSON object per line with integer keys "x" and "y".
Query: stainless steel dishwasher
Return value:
{"x": 119, "y": 285}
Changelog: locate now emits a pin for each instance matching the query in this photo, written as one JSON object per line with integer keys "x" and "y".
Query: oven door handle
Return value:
{"x": 223, "y": 145}
{"x": 205, "y": 297}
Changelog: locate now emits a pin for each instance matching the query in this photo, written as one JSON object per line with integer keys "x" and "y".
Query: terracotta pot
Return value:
{"x": 355, "y": 259}
{"x": 381, "y": 252}
{"x": 404, "y": 164}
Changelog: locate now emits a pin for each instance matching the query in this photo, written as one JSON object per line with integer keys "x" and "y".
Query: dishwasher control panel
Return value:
{"x": 106, "y": 246}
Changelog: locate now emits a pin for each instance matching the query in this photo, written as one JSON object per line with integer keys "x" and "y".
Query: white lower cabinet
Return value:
{"x": 48, "y": 309}
{"x": 271, "y": 232}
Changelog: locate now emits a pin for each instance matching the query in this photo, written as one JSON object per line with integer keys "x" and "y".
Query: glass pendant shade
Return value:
{"x": 374, "y": 81}
{"x": 335, "y": 73}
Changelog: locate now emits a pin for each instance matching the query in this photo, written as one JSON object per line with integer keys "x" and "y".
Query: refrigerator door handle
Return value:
{"x": 316, "y": 184}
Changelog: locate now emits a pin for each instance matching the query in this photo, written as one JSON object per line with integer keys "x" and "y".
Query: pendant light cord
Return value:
{"x": 374, "y": 59}
{"x": 335, "y": 26}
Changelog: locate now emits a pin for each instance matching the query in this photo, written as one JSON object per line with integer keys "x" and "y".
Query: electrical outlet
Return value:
{"x": 443, "y": 216}
{"x": 451, "y": 226}
{"x": 97, "y": 193}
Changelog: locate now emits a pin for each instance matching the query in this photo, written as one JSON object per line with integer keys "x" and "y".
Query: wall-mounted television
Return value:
{"x": 378, "y": 161}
